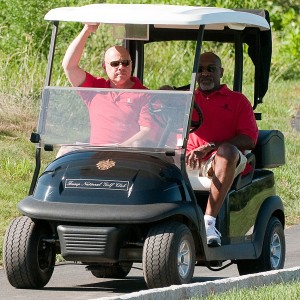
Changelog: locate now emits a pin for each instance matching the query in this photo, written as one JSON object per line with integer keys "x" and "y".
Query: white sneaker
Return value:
{"x": 213, "y": 236}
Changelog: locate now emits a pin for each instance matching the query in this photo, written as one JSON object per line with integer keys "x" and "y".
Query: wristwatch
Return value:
{"x": 212, "y": 146}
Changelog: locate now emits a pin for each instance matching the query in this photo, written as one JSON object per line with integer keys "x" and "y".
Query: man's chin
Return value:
{"x": 206, "y": 87}
{"x": 121, "y": 78}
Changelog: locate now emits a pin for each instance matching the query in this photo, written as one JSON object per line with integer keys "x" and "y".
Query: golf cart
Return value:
{"x": 107, "y": 205}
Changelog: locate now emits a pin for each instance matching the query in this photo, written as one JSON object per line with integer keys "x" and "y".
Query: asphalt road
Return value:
{"x": 71, "y": 281}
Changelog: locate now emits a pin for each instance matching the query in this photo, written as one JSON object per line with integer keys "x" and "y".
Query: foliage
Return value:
{"x": 287, "y": 28}
{"x": 24, "y": 33}
{"x": 22, "y": 22}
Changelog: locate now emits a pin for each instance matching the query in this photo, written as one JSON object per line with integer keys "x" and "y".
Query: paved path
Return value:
{"x": 71, "y": 281}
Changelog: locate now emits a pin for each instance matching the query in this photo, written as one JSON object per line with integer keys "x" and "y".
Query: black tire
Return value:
{"x": 273, "y": 252}
{"x": 28, "y": 261}
{"x": 116, "y": 271}
{"x": 168, "y": 255}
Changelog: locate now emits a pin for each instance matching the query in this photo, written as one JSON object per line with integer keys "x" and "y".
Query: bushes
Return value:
{"x": 22, "y": 22}
{"x": 287, "y": 28}
{"x": 25, "y": 39}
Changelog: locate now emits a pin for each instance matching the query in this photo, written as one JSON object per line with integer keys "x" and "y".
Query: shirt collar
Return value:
{"x": 223, "y": 90}
{"x": 137, "y": 83}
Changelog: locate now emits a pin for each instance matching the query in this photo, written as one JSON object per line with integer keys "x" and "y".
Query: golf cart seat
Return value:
{"x": 269, "y": 152}
{"x": 199, "y": 183}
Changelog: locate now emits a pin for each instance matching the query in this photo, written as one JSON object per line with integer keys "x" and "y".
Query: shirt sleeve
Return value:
{"x": 93, "y": 82}
{"x": 246, "y": 120}
{"x": 89, "y": 80}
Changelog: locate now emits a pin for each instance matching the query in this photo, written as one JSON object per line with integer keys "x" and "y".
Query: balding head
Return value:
{"x": 116, "y": 53}
{"x": 212, "y": 57}
{"x": 210, "y": 72}
{"x": 118, "y": 66}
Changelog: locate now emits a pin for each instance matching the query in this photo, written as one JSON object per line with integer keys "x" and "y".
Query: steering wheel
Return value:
{"x": 196, "y": 124}
{"x": 170, "y": 111}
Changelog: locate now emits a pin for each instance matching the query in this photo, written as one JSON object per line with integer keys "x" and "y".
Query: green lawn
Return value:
{"x": 283, "y": 291}
{"x": 17, "y": 120}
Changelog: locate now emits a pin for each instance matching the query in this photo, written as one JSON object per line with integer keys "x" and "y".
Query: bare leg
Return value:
{"x": 223, "y": 169}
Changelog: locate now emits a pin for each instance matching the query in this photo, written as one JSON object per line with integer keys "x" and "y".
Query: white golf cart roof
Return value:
{"x": 161, "y": 16}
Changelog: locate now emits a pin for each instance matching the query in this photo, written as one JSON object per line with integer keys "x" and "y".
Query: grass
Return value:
{"x": 279, "y": 110}
{"x": 19, "y": 108}
{"x": 19, "y": 102}
{"x": 287, "y": 291}
{"x": 17, "y": 153}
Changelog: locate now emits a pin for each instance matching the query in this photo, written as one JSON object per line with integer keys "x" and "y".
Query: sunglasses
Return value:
{"x": 123, "y": 62}
{"x": 210, "y": 69}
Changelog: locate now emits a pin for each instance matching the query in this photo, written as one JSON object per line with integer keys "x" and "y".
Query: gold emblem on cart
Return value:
{"x": 105, "y": 164}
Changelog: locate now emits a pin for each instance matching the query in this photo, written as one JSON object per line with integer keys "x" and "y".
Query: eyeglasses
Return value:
{"x": 116, "y": 63}
{"x": 210, "y": 69}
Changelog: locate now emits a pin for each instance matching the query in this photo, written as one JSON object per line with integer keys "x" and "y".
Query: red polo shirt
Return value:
{"x": 115, "y": 117}
{"x": 226, "y": 114}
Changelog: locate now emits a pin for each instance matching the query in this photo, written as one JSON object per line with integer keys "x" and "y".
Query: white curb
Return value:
{"x": 186, "y": 291}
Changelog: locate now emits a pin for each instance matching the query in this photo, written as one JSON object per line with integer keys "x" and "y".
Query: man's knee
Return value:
{"x": 228, "y": 152}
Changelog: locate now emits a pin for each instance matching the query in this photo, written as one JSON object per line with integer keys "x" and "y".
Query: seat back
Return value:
{"x": 269, "y": 150}
{"x": 203, "y": 183}
{"x": 268, "y": 153}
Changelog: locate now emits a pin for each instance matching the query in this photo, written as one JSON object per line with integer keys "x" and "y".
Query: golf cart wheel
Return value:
{"x": 168, "y": 255}
{"x": 28, "y": 260}
{"x": 273, "y": 251}
{"x": 117, "y": 271}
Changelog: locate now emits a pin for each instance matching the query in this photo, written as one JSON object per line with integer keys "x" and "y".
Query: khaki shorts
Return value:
{"x": 206, "y": 166}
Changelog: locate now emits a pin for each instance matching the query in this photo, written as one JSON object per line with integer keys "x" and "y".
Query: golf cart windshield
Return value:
{"x": 103, "y": 117}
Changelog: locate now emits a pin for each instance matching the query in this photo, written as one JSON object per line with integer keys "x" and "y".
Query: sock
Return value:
{"x": 209, "y": 220}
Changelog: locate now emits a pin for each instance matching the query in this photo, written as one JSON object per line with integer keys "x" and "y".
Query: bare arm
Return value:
{"x": 138, "y": 138}
{"x": 194, "y": 157}
{"x": 73, "y": 55}
{"x": 242, "y": 142}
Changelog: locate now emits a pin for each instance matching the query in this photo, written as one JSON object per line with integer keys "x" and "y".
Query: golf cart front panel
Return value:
{"x": 91, "y": 172}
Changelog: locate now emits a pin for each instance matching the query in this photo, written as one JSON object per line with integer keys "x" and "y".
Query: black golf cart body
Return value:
{"x": 109, "y": 206}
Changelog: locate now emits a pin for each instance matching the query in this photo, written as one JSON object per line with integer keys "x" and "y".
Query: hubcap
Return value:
{"x": 184, "y": 258}
{"x": 275, "y": 250}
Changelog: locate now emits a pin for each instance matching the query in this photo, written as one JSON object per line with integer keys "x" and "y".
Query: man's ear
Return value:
{"x": 103, "y": 66}
{"x": 222, "y": 72}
